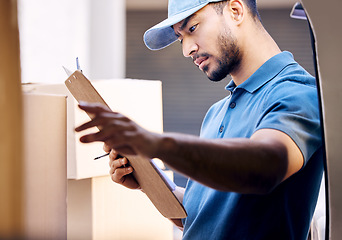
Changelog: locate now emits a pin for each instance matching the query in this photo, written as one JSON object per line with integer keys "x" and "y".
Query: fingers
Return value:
{"x": 113, "y": 155}
{"x": 101, "y": 119}
{"x": 107, "y": 121}
{"x": 121, "y": 172}
{"x": 117, "y": 137}
{"x": 106, "y": 148}
{"x": 118, "y": 171}
{"x": 118, "y": 163}
{"x": 93, "y": 107}
{"x": 122, "y": 148}
{"x": 116, "y": 160}
{"x": 113, "y": 132}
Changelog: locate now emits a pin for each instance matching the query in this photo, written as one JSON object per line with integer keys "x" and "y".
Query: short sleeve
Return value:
{"x": 293, "y": 108}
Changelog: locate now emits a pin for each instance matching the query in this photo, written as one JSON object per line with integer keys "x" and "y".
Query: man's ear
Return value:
{"x": 236, "y": 10}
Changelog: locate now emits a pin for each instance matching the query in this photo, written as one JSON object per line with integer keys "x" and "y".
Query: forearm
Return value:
{"x": 255, "y": 165}
{"x": 240, "y": 165}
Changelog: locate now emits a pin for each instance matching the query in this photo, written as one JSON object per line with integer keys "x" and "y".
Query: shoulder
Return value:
{"x": 293, "y": 84}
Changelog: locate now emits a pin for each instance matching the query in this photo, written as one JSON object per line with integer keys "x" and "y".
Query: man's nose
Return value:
{"x": 189, "y": 47}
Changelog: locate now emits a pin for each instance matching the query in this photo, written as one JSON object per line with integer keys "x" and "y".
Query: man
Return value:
{"x": 255, "y": 171}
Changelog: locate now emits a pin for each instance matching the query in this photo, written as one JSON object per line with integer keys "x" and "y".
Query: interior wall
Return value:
{"x": 53, "y": 33}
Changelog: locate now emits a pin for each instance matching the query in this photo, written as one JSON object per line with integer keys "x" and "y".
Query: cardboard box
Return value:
{"x": 140, "y": 100}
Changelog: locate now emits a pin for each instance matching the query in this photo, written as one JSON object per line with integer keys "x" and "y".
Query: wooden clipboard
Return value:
{"x": 148, "y": 175}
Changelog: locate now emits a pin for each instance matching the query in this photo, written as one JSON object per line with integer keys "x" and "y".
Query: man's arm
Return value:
{"x": 255, "y": 165}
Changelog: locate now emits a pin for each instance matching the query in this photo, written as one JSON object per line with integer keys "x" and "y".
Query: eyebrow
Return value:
{"x": 185, "y": 22}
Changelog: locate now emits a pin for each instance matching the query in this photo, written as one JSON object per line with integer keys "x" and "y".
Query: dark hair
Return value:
{"x": 251, "y": 4}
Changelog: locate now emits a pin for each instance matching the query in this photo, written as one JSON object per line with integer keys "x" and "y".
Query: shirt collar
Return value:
{"x": 265, "y": 73}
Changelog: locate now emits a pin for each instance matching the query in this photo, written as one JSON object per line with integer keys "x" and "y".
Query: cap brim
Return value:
{"x": 162, "y": 34}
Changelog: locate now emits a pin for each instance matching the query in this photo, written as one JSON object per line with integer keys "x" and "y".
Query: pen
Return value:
{"x": 78, "y": 65}
{"x": 101, "y": 156}
{"x": 104, "y": 155}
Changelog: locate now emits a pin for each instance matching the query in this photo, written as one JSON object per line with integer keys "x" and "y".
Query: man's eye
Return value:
{"x": 191, "y": 29}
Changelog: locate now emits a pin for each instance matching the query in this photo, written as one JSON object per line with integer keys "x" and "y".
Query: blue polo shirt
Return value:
{"x": 280, "y": 95}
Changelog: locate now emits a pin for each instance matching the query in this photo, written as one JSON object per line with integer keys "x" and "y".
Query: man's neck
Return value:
{"x": 257, "y": 49}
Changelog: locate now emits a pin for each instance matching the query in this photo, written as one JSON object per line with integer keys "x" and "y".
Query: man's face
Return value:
{"x": 208, "y": 40}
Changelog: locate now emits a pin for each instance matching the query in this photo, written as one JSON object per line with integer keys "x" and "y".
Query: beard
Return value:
{"x": 228, "y": 60}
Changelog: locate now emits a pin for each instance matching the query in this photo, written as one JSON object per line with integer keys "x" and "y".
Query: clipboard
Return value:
{"x": 152, "y": 180}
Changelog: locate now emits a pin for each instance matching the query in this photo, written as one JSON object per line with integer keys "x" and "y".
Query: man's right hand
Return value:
{"x": 121, "y": 172}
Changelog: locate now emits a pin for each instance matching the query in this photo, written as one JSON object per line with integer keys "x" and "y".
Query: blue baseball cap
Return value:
{"x": 162, "y": 34}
